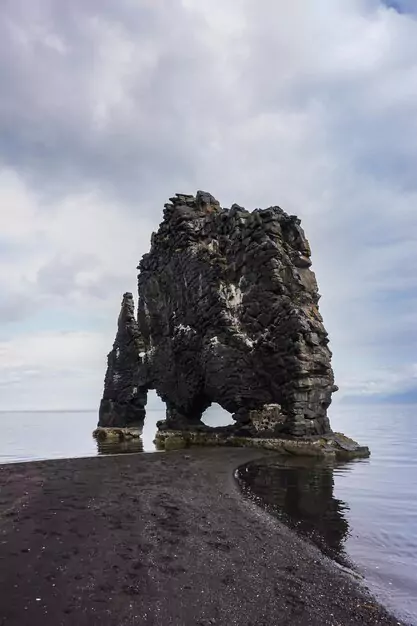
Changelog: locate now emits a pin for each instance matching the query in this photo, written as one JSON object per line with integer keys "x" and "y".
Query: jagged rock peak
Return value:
{"x": 127, "y": 326}
{"x": 202, "y": 200}
{"x": 125, "y": 393}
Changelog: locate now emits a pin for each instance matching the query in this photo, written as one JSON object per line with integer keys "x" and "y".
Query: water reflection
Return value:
{"x": 119, "y": 447}
{"x": 118, "y": 440}
{"x": 300, "y": 493}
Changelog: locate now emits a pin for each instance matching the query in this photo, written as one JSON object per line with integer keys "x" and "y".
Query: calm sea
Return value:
{"x": 364, "y": 511}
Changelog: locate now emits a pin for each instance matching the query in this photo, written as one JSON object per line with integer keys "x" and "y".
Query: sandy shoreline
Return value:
{"x": 158, "y": 539}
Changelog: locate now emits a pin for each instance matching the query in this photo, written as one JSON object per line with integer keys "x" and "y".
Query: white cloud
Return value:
{"x": 110, "y": 108}
{"x": 78, "y": 249}
{"x": 52, "y": 349}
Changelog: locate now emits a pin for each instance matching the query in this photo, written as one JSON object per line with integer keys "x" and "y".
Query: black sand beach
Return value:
{"x": 158, "y": 539}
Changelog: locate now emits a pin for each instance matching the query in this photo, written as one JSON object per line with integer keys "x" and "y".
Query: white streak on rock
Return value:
{"x": 232, "y": 297}
{"x": 184, "y": 328}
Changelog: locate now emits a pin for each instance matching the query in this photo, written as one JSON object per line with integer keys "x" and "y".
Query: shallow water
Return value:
{"x": 37, "y": 436}
{"x": 41, "y": 435}
{"x": 365, "y": 510}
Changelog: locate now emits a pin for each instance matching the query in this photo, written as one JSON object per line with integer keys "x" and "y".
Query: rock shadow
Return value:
{"x": 300, "y": 493}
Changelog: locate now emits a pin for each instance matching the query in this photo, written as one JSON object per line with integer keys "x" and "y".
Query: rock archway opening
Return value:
{"x": 216, "y": 416}
{"x": 155, "y": 411}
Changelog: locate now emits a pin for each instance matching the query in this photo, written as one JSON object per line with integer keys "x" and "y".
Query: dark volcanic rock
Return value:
{"x": 228, "y": 311}
{"x": 125, "y": 391}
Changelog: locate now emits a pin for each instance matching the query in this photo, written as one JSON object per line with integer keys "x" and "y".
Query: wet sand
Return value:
{"x": 159, "y": 539}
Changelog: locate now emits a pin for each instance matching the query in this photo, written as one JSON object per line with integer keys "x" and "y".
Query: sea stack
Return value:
{"x": 125, "y": 393}
{"x": 228, "y": 314}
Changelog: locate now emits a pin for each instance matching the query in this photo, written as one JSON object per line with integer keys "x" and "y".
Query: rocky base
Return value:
{"x": 334, "y": 446}
{"x": 116, "y": 434}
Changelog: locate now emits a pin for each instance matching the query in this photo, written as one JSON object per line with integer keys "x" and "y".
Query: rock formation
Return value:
{"x": 228, "y": 314}
{"x": 228, "y": 309}
{"x": 125, "y": 393}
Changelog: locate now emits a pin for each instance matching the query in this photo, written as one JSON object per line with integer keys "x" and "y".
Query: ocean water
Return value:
{"x": 364, "y": 511}
{"x": 37, "y": 436}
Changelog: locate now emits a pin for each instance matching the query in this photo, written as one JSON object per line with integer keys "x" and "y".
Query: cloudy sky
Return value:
{"x": 108, "y": 108}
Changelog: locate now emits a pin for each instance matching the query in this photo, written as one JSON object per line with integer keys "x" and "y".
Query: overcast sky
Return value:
{"x": 108, "y": 108}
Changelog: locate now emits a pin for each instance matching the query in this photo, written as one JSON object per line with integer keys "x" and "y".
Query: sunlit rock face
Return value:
{"x": 228, "y": 313}
{"x": 125, "y": 391}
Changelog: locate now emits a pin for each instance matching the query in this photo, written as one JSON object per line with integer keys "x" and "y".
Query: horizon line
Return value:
{"x": 58, "y": 410}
